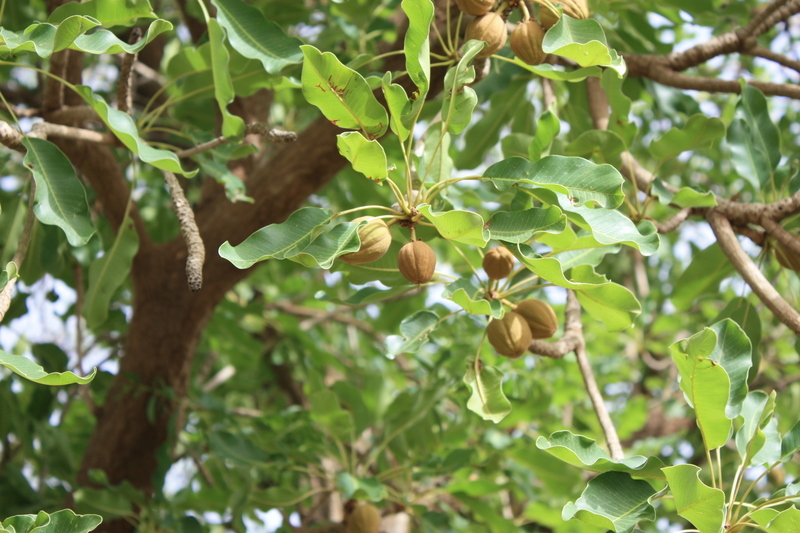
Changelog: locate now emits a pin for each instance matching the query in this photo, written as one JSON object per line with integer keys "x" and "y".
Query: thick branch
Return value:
{"x": 750, "y": 272}
{"x": 660, "y": 73}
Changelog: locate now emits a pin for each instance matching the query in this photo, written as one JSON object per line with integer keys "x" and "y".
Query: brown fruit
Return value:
{"x": 786, "y": 257}
{"x": 526, "y": 42}
{"x": 510, "y": 335}
{"x": 416, "y": 262}
{"x": 498, "y": 263}
{"x": 364, "y": 519}
{"x": 540, "y": 317}
{"x": 375, "y": 241}
{"x": 475, "y": 7}
{"x": 490, "y": 28}
{"x": 577, "y": 9}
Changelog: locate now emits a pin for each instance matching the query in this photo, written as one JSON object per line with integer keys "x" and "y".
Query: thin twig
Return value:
{"x": 19, "y": 254}
{"x": 769, "y": 55}
{"x": 750, "y": 272}
{"x": 125, "y": 79}
{"x": 672, "y": 224}
{"x": 259, "y": 128}
{"x": 191, "y": 234}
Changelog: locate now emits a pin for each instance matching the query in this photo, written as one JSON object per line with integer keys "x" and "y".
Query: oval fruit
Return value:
{"x": 577, "y": 9}
{"x": 364, "y": 519}
{"x": 510, "y": 335}
{"x": 490, "y": 28}
{"x": 417, "y": 262}
{"x": 375, "y": 239}
{"x": 526, "y": 42}
{"x": 498, "y": 263}
{"x": 540, "y": 317}
{"x": 475, "y": 7}
{"x": 786, "y": 257}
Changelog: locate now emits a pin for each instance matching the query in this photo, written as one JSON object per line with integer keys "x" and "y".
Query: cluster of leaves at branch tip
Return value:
{"x": 417, "y": 262}
{"x": 375, "y": 238}
{"x": 364, "y": 519}
{"x": 498, "y": 263}
{"x": 549, "y": 13}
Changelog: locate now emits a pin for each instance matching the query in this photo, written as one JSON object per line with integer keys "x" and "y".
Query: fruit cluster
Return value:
{"x": 526, "y": 39}
{"x": 530, "y": 319}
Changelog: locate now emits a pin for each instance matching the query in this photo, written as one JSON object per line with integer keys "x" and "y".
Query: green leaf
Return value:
{"x": 366, "y": 156}
{"x": 416, "y": 45}
{"x": 521, "y": 226}
{"x": 703, "y": 276}
{"x": 583, "y": 251}
{"x": 369, "y": 489}
{"x": 329, "y": 245}
{"x": 685, "y": 197}
{"x": 750, "y": 438}
{"x": 754, "y": 140}
{"x": 232, "y": 125}
{"x": 278, "y": 241}
{"x": 556, "y": 73}
{"x": 733, "y": 352}
{"x": 547, "y": 129}
{"x": 791, "y": 442}
{"x": 784, "y": 522}
{"x": 255, "y": 37}
{"x": 10, "y": 273}
{"x": 582, "y": 180}
{"x": 770, "y": 452}
{"x": 487, "y": 400}
{"x": 705, "y": 385}
{"x": 326, "y": 411}
{"x": 436, "y": 157}
{"x": 414, "y": 330}
{"x": 470, "y": 298}
{"x": 488, "y": 514}
{"x": 342, "y": 94}
{"x": 698, "y": 503}
{"x": 698, "y": 133}
{"x": 743, "y": 312}
{"x": 584, "y": 42}
{"x": 122, "y": 125}
{"x": 606, "y": 145}
{"x": 550, "y": 269}
{"x": 108, "y": 273}
{"x": 608, "y": 302}
{"x": 109, "y": 14}
{"x": 614, "y": 501}
{"x": 60, "y": 197}
{"x": 64, "y": 521}
{"x": 584, "y": 453}
{"x": 236, "y": 448}
{"x": 457, "y": 225}
{"x": 459, "y": 98}
{"x": 30, "y": 370}
{"x": 398, "y": 103}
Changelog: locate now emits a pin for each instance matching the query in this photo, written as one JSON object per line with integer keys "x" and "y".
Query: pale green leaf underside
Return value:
{"x": 30, "y": 370}
{"x": 701, "y": 505}
{"x": 414, "y": 330}
{"x": 487, "y": 399}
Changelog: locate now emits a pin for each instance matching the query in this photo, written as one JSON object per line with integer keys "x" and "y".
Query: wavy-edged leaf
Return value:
{"x": 278, "y": 241}
{"x": 698, "y": 133}
{"x": 550, "y": 269}
{"x": 458, "y": 225}
{"x": 734, "y": 353}
{"x": 613, "y": 501}
{"x": 584, "y": 453}
{"x": 342, "y": 94}
{"x": 584, "y": 250}
{"x": 584, "y": 42}
{"x": 122, "y": 125}
{"x": 232, "y": 125}
{"x": 459, "y": 98}
{"x": 416, "y": 45}
{"x": 108, "y": 13}
{"x": 684, "y": 197}
{"x": 398, "y": 103}
{"x": 107, "y": 273}
{"x": 521, "y": 226}
{"x": 555, "y": 73}
{"x": 414, "y": 330}
{"x": 770, "y": 451}
{"x": 783, "y": 522}
{"x": 470, "y": 298}
{"x": 64, "y": 521}
{"x": 30, "y": 370}
{"x": 581, "y": 180}
{"x": 436, "y": 160}
{"x": 487, "y": 400}
{"x": 698, "y": 503}
{"x": 609, "y": 302}
{"x": 8, "y": 274}
{"x": 255, "y": 37}
{"x": 755, "y": 408}
{"x": 329, "y": 245}
{"x": 705, "y": 384}
{"x": 366, "y": 156}
{"x": 60, "y": 197}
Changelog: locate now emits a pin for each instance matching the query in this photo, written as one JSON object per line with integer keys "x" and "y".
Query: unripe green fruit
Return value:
{"x": 490, "y": 28}
{"x": 375, "y": 239}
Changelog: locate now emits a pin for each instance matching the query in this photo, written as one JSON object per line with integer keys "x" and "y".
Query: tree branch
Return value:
{"x": 274, "y": 135}
{"x": 781, "y": 59}
{"x": 750, "y": 272}
{"x": 194, "y": 243}
{"x": 573, "y": 333}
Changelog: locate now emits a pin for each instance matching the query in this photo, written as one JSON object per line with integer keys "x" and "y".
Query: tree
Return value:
{"x": 193, "y": 175}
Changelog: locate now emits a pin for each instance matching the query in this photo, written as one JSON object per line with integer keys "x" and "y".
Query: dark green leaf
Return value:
{"x": 614, "y": 501}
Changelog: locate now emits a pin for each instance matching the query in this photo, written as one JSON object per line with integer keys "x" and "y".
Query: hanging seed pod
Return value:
{"x": 490, "y": 28}
{"x": 364, "y": 519}
{"x": 375, "y": 239}
{"x": 475, "y": 7}
{"x": 417, "y": 262}
{"x": 510, "y": 335}
{"x": 539, "y": 316}
{"x": 498, "y": 263}
{"x": 526, "y": 42}
{"x": 577, "y": 9}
